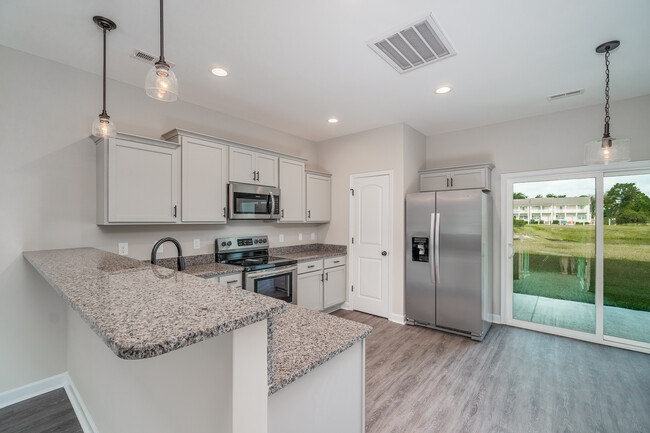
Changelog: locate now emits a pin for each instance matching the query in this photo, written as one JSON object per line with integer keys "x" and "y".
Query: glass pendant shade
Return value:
{"x": 104, "y": 127}
{"x": 607, "y": 150}
{"x": 161, "y": 83}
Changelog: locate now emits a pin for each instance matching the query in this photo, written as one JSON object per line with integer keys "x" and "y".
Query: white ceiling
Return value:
{"x": 295, "y": 63}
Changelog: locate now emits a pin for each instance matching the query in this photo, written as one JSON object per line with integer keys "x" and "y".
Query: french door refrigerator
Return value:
{"x": 448, "y": 261}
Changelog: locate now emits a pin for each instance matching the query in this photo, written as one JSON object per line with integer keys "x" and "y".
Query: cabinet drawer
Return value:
{"x": 311, "y": 266}
{"x": 233, "y": 280}
{"x": 334, "y": 261}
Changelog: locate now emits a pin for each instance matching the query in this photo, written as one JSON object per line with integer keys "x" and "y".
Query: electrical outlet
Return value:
{"x": 313, "y": 236}
{"x": 197, "y": 244}
{"x": 299, "y": 236}
{"x": 123, "y": 249}
{"x": 281, "y": 238}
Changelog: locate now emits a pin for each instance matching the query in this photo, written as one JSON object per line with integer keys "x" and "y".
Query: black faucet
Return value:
{"x": 181, "y": 259}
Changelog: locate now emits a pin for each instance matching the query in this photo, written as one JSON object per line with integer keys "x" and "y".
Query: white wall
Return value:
{"x": 551, "y": 141}
{"x": 375, "y": 150}
{"x": 47, "y": 199}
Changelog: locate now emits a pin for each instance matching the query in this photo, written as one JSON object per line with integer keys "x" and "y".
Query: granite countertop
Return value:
{"x": 303, "y": 253}
{"x": 304, "y": 339}
{"x": 142, "y": 310}
{"x": 209, "y": 270}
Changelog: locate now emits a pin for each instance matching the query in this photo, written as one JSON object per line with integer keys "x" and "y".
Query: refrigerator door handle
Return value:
{"x": 431, "y": 247}
{"x": 437, "y": 248}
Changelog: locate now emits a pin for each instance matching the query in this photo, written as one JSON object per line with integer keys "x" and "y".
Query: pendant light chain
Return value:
{"x": 607, "y": 92}
{"x": 104, "y": 77}
{"x": 162, "y": 33}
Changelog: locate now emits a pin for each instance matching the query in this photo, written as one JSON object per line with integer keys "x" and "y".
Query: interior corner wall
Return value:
{"x": 48, "y": 195}
{"x": 369, "y": 151}
{"x": 543, "y": 142}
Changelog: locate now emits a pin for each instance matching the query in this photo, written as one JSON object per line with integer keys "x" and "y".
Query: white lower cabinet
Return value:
{"x": 321, "y": 283}
{"x": 231, "y": 280}
{"x": 310, "y": 290}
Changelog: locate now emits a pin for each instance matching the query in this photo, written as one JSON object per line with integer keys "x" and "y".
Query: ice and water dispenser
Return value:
{"x": 419, "y": 249}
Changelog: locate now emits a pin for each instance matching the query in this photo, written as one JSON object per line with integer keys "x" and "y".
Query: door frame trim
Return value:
{"x": 351, "y": 269}
{"x": 598, "y": 172}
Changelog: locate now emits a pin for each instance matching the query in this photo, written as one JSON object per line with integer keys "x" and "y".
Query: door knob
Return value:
{"x": 384, "y": 253}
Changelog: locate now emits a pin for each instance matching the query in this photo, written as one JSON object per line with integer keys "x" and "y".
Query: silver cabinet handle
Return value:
{"x": 327, "y": 276}
{"x": 174, "y": 211}
{"x": 312, "y": 266}
{"x": 258, "y": 176}
{"x": 224, "y": 212}
{"x": 337, "y": 261}
{"x": 308, "y": 214}
{"x": 231, "y": 281}
{"x": 447, "y": 182}
{"x": 282, "y": 213}
{"x": 452, "y": 182}
{"x": 254, "y": 175}
{"x": 437, "y": 242}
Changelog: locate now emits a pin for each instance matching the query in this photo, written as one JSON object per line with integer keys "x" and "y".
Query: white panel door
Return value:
{"x": 334, "y": 286}
{"x": 310, "y": 290}
{"x": 242, "y": 165}
{"x": 204, "y": 178}
{"x": 292, "y": 190}
{"x": 142, "y": 183}
{"x": 267, "y": 169}
{"x": 319, "y": 197}
{"x": 371, "y": 227}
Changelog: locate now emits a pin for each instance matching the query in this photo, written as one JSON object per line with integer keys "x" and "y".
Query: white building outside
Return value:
{"x": 566, "y": 210}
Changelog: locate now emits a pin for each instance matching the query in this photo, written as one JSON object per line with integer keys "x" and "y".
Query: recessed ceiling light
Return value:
{"x": 442, "y": 90}
{"x": 333, "y": 120}
{"x": 219, "y": 72}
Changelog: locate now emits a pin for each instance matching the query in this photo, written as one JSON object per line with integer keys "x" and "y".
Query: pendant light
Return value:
{"x": 103, "y": 126}
{"x": 607, "y": 149}
{"x": 161, "y": 83}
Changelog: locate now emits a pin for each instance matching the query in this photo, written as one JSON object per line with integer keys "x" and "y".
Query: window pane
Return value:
{"x": 554, "y": 243}
{"x": 627, "y": 257}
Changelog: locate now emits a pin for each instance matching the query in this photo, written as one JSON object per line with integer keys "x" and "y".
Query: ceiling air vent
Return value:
{"x": 413, "y": 46}
{"x": 147, "y": 58}
{"x": 565, "y": 94}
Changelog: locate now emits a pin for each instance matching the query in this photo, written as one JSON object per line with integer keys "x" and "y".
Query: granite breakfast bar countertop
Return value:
{"x": 141, "y": 310}
{"x": 303, "y": 253}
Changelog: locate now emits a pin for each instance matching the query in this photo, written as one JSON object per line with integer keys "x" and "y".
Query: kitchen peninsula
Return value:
{"x": 144, "y": 313}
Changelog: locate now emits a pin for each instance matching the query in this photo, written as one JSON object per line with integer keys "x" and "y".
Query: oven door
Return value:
{"x": 251, "y": 202}
{"x": 279, "y": 283}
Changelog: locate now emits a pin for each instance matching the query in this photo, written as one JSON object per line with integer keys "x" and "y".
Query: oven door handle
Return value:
{"x": 266, "y": 273}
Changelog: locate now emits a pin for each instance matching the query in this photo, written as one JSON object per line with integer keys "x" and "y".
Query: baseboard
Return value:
{"x": 79, "y": 407}
{"x": 346, "y": 306}
{"x": 397, "y": 318}
{"x": 33, "y": 389}
{"x": 495, "y": 318}
{"x": 62, "y": 380}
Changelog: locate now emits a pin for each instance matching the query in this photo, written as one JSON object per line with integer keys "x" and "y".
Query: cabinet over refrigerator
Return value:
{"x": 448, "y": 261}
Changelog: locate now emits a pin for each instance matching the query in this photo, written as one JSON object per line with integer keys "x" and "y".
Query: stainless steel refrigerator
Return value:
{"x": 448, "y": 261}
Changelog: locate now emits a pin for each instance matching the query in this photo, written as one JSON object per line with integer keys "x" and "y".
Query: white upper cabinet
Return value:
{"x": 204, "y": 182}
{"x": 292, "y": 190}
{"x": 137, "y": 181}
{"x": 319, "y": 197}
{"x": 468, "y": 177}
{"x": 247, "y": 166}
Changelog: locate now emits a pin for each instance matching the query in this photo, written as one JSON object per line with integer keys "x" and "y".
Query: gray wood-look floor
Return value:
{"x": 515, "y": 381}
{"x": 49, "y": 412}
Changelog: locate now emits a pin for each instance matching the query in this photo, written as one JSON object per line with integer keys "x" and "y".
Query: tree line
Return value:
{"x": 623, "y": 202}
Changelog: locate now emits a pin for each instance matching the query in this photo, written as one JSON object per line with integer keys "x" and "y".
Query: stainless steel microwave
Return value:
{"x": 252, "y": 202}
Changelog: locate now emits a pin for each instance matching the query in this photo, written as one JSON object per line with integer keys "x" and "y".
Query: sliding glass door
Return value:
{"x": 626, "y": 267}
{"x": 577, "y": 260}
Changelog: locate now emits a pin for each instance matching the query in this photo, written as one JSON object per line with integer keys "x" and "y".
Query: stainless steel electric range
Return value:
{"x": 263, "y": 274}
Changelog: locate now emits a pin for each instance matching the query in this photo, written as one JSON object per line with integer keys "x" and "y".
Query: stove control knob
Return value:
{"x": 255, "y": 241}
{"x": 264, "y": 241}
{"x": 223, "y": 244}
{"x": 229, "y": 243}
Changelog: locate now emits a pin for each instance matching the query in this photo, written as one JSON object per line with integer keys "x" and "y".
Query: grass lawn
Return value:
{"x": 551, "y": 254}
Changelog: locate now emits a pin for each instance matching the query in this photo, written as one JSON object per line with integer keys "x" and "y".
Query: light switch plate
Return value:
{"x": 123, "y": 248}
{"x": 313, "y": 236}
{"x": 299, "y": 236}
{"x": 197, "y": 244}
{"x": 281, "y": 238}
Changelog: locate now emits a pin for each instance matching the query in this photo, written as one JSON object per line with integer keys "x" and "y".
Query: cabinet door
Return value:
{"x": 467, "y": 179}
{"x": 204, "y": 179}
{"x": 142, "y": 183}
{"x": 292, "y": 190}
{"x": 319, "y": 192}
{"x": 267, "y": 169}
{"x": 435, "y": 181}
{"x": 241, "y": 165}
{"x": 334, "y": 286}
{"x": 310, "y": 290}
